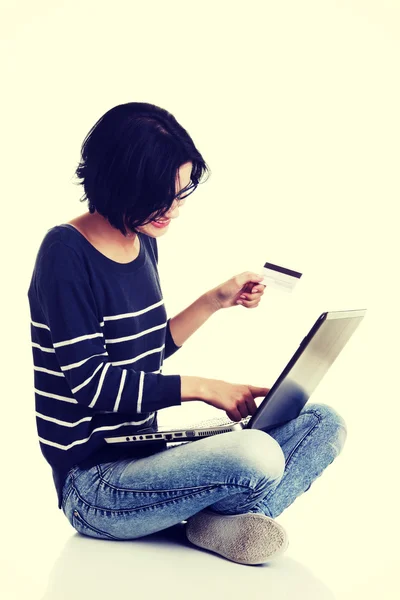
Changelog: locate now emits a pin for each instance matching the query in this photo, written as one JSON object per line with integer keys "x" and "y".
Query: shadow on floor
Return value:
{"x": 165, "y": 564}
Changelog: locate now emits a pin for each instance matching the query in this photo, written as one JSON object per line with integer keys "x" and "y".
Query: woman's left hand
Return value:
{"x": 229, "y": 293}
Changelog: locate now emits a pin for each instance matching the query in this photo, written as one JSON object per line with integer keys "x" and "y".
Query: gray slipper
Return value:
{"x": 249, "y": 538}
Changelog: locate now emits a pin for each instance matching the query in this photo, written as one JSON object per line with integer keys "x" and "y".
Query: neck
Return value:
{"x": 101, "y": 228}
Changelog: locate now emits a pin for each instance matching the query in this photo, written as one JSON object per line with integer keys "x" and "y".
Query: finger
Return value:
{"x": 246, "y": 288}
{"x": 248, "y": 303}
{"x": 234, "y": 415}
{"x": 251, "y": 405}
{"x": 258, "y": 391}
{"x": 251, "y": 295}
{"x": 243, "y": 409}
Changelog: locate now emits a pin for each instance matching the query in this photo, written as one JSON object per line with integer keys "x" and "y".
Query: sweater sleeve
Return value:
{"x": 69, "y": 308}
{"x": 170, "y": 346}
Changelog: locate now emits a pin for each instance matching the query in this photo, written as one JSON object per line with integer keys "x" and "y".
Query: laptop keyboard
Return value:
{"x": 215, "y": 422}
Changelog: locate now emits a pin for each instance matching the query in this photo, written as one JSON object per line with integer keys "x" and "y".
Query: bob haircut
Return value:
{"x": 130, "y": 162}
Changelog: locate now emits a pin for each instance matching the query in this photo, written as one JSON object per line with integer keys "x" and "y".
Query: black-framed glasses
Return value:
{"x": 181, "y": 197}
{"x": 185, "y": 193}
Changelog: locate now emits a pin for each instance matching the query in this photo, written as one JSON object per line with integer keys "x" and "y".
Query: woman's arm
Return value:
{"x": 189, "y": 320}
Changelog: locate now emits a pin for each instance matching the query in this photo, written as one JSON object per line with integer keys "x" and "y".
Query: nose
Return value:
{"x": 173, "y": 212}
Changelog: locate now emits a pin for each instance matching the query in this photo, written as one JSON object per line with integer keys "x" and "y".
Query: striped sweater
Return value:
{"x": 100, "y": 335}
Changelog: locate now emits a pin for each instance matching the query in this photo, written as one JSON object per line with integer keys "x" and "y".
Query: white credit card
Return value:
{"x": 279, "y": 278}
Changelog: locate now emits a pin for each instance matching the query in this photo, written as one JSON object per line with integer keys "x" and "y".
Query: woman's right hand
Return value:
{"x": 235, "y": 399}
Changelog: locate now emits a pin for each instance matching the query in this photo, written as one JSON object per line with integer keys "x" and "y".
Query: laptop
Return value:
{"x": 288, "y": 395}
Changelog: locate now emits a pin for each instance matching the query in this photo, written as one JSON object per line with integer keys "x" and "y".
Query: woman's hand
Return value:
{"x": 230, "y": 293}
{"x": 235, "y": 399}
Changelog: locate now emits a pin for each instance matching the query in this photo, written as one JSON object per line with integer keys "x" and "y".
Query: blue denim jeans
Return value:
{"x": 230, "y": 473}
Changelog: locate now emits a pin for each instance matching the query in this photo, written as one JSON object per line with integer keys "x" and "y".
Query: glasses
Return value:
{"x": 185, "y": 193}
{"x": 180, "y": 199}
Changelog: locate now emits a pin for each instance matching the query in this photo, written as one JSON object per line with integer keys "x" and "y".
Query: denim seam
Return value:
{"x": 71, "y": 474}
{"x": 66, "y": 496}
{"x": 132, "y": 510}
{"x": 305, "y": 437}
{"x": 319, "y": 419}
{"x": 78, "y": 517}
{"x": 119, "y": 489}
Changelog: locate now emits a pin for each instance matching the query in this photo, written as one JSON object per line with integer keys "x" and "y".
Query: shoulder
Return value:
{"x": 59, "y": 252}
{"x": 59, "y": 234}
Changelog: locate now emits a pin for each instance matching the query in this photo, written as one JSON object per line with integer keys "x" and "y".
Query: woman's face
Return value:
{"x": 182, "y": 181}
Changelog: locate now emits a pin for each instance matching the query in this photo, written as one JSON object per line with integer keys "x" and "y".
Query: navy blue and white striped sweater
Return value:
{"x": 100, "y": 335}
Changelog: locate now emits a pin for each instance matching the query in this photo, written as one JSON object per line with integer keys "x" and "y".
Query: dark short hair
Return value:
{"x": 129, "y": 164}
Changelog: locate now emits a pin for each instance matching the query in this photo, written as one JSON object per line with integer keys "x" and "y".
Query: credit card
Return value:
{"x": 279, "y": 278}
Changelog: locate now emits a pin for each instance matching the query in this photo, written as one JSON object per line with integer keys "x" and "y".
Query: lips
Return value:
{"x": 161, "y": 223}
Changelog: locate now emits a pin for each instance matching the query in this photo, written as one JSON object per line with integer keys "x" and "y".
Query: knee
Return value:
{"x": 262, "y": 453}
{"x": 332, "y": 423}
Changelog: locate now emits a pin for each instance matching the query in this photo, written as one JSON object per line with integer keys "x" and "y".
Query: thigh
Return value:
{"x": 136, "y": 496}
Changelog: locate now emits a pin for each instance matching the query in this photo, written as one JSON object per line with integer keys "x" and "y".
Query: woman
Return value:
{"x": 100, "y": 334}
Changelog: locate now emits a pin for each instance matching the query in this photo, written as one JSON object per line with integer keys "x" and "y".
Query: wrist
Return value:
{"x": 192, "y": 388}
{"x": 211, "y": 301}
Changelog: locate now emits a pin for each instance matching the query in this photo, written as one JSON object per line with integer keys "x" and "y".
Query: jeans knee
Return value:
{"x": 263, "y": 453}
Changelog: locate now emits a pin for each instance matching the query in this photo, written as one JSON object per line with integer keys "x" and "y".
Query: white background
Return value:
{"x": 295, "y": 107}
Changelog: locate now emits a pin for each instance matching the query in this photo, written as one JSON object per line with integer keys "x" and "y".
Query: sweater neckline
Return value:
{"x": 106, "y": 262}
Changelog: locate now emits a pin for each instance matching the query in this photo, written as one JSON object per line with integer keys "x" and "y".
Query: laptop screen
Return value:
{"x": 316, "y": 353}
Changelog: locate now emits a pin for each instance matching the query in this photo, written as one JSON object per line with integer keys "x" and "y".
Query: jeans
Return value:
{"x": 230, "y": 473}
